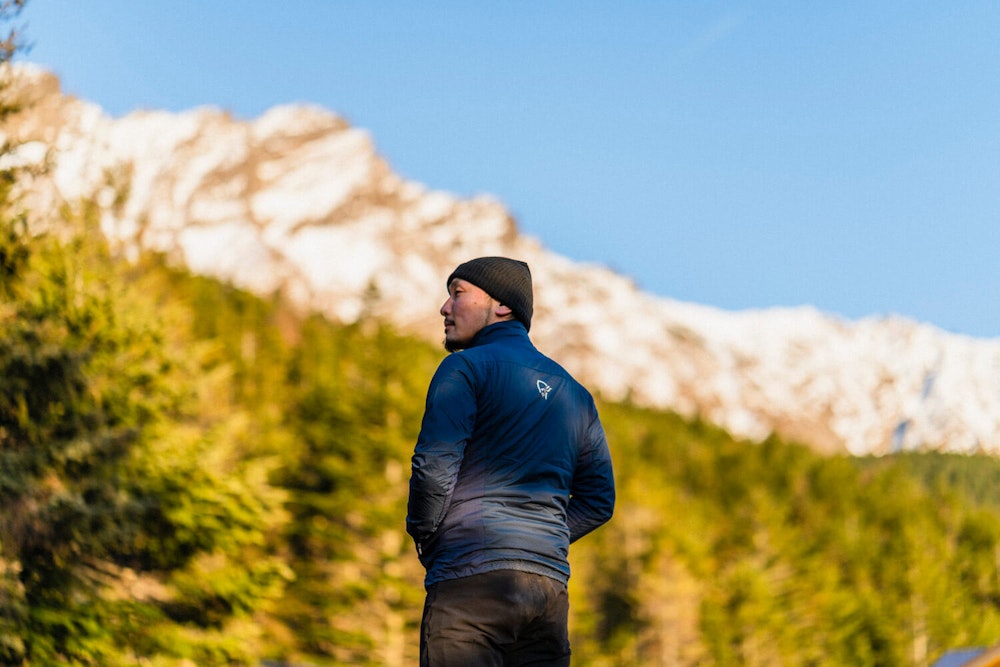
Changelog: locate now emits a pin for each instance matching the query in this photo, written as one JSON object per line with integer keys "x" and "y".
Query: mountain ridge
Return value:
{"x": 299, "y": 201}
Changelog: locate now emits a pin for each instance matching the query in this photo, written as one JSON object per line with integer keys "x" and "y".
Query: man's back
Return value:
{"x": 526, "y": 423}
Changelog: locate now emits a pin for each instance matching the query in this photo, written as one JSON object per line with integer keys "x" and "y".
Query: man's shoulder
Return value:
{"x": 455, "y": 360}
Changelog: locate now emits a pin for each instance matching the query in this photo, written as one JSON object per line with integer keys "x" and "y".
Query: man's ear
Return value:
{"x": 503, "y": 311}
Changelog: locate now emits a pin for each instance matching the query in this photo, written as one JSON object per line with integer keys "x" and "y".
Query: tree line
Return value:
{"x": 193, "y": 473}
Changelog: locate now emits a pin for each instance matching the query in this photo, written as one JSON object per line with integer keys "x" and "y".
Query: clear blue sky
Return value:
{"x": 737, "y": 154}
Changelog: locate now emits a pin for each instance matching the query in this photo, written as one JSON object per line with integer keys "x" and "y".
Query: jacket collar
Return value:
{"x": 509, "y": 330}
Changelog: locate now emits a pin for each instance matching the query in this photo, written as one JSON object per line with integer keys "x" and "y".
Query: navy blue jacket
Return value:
{"x": 511, "y": 464}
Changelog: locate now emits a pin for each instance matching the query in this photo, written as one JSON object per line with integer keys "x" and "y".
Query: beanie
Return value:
{"x": 506, "y": 280}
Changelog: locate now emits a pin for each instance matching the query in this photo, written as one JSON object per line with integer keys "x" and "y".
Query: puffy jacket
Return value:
{"x": 511, "y": 465}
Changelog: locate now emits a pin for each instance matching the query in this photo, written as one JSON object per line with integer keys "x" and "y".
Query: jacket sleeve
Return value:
{"x": 449, "y": 418}
{"x": 592, "y": 498}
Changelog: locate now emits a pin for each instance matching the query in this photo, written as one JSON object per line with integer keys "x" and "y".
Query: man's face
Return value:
{"x": 467, "y": 310}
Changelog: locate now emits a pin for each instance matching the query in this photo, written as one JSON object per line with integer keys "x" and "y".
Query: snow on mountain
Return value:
{"x": 298, "y": 200}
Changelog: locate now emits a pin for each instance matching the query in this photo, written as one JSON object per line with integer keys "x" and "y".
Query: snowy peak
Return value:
{"x": 299, "y": 201}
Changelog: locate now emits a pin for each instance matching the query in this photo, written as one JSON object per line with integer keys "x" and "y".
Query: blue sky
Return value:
{"x": 742, "y": 155}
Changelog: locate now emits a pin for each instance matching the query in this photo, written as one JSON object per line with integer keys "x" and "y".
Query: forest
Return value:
{"x": 194, "y": 475}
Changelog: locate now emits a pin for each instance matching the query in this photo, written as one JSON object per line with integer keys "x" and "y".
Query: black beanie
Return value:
{"x": 506, "y": 280}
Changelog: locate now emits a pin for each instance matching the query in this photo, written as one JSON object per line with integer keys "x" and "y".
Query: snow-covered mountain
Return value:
{"x": 298, "y": 200}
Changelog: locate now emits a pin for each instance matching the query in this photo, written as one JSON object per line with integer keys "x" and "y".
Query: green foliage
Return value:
{"x": 114, "y": 533}
{"x": 785, "y": 556}
{"x": 194, "y": 473}
{"x": 975, "y": 478}
{"x": 356, "y": 408}
{"x": 338, "y": 409}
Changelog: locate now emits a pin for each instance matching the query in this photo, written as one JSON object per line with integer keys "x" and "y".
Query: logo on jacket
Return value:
{"x": 543, "y": 389}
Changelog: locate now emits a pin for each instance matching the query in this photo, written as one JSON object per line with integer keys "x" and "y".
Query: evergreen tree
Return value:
{"x": 130, "y": 527}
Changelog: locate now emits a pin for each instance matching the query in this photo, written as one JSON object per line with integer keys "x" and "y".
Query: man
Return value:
{"x": 510, "y": 467}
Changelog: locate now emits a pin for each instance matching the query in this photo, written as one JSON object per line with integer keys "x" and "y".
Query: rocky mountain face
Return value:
{"x": 297, "y": 200}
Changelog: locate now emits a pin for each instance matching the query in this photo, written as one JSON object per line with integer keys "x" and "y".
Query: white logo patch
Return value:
{"x": 543, "y": 389}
